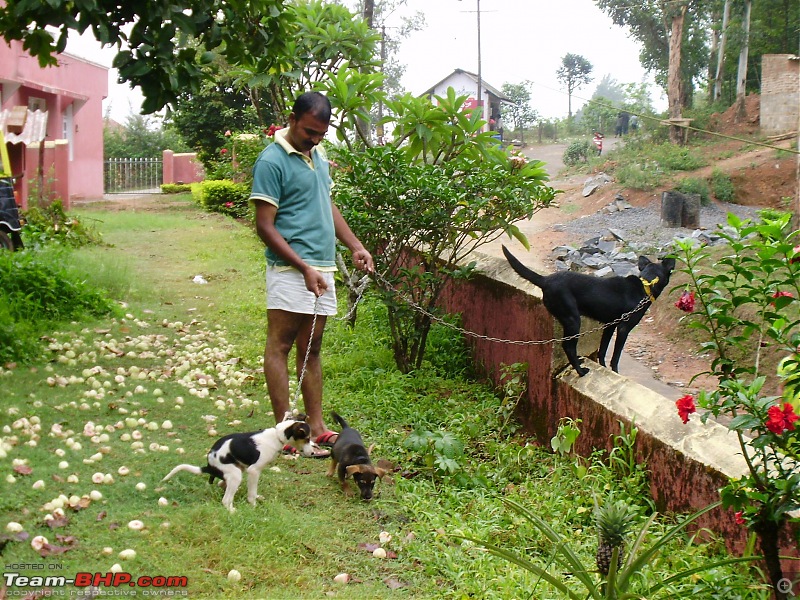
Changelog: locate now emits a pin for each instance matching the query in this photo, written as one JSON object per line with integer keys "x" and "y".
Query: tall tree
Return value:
{"x": 161, "y": 45}
{"x": 723, "y": 36}
{"x": 741, "y": 72}
{"x": 519, "y": 112}
{"x": 574, "y": 72}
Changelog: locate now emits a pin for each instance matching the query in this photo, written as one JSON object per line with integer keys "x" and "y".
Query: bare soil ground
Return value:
{"x": 762, "y": 178}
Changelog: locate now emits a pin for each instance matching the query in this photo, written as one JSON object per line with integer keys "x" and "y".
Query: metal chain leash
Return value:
{"x": 432, "y": 317}
{"x": 389, "y": 287}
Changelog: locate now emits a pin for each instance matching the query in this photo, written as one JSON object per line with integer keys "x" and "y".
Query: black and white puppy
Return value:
{"x": 235, "y": 453}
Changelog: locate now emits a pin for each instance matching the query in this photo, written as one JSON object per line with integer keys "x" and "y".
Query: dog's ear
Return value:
{"x": 381, "y": 473}
{"x": 669, "y": 264}
{"x": 643, "y": 262}
{"x": 298, "y": 431}
{"x": 354, "y": 469}
{"x": 370, "y": 449}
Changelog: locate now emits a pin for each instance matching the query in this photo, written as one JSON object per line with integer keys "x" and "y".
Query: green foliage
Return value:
{"x": 236, "y": 158}
{"x": 224, "y": 196}
{"x": 519, "y": 113}
{"x": 752, "y": 292}
{"x": 167, "y": 43}
{"x": 437, "y": 451}
{"x": 514, "y": 384}
{"x": 176, "y": 188}
{"x": 574, "y": 72}
{"x": 38, "y": 290}
{"x": 644, "y": 165}
{"x": 722, "y": 186}
{"x": 578, "y": 152}
{"x": 566, "y": 435}
{"x": 140, "y": 137}
{"x": 50, "y": 224}
{"x": 438, "y": 170}
{"x": 695, "y": 185}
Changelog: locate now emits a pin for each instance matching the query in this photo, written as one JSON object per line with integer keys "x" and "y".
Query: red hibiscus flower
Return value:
{"x": 223, "y": 151}
{"x": 780, "y": 420}
{"x": 781, "y": 295}
{"x": 685, "y": 407}
{"x": 739, "y": 517}
{"x": 272, "y": 129}
{"x": 686, "y": 301}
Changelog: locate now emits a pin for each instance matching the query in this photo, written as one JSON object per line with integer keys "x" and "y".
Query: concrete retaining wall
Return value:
{"x": 780, "y": 93}
{"x": 687, "y": 463}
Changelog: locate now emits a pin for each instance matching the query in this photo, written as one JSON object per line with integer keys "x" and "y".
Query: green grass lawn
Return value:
{"x": 88, "y": 433}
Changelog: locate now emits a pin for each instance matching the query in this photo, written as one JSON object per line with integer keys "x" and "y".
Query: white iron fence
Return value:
{"x": 126, "y": 175}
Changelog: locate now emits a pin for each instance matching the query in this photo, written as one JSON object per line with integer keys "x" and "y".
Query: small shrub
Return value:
{"x": 175, "y": 188}
{"x": 50, "y": 224}
{"x": 639, "y": 176}
{"x": 224, "y": 196}
{"x": 577, "y": 152}
{"x": 678, "y": 158}
{"x": 722, "y": 186}
{"x": 694, "y": 185}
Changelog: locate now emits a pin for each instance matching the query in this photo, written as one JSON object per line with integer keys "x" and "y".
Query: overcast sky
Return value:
{"x": 520, "y": 40}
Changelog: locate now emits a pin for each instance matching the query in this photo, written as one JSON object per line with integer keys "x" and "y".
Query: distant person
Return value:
{"x": 625, "y": 120}
{"x": 634, "y": 123}
{"x": 618, "y": 126}
{"x": 598, "y": 142}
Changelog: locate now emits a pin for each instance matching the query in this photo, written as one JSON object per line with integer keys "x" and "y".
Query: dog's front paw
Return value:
{"x": 231, "y": 509}
{"x": 582, "y": 371}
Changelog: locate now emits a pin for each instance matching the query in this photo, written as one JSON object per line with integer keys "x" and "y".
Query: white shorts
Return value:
{"x": 286, "y": 290}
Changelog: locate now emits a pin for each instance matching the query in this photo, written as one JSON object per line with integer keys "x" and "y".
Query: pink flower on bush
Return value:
{"x": 685, "y": 407}
{"x": 796, "y": 252}
{"x": 229, "y": 205}
{"x": 228, "y": 133}
{"x": 739, "y": 517}
{"x": 686, "y": 301}
{"x": 223, "y": 151}
{"x": 781, "y": 419}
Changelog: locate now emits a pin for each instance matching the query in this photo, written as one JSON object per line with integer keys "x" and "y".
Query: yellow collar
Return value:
{"x": 647, "y": 285}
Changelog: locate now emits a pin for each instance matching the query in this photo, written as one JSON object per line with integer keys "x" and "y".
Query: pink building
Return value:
{"x": 72, "y": 94}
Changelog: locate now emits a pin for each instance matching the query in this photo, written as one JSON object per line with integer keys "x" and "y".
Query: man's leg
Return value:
{"x": 312, "y": 378}
{"x": 282, "y": 328}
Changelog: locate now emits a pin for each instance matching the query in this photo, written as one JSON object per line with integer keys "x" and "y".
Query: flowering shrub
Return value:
{"x": 752, "y": 293}
{"x": 226, "y": 197}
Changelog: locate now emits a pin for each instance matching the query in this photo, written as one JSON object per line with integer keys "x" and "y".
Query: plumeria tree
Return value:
{"x": 744, "y": 303}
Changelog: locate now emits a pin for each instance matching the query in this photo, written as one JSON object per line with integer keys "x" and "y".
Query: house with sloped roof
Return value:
{"x": 466, "y": 83}
{"x": 63, "y": 116}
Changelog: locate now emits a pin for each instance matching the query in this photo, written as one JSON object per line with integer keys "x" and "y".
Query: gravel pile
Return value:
{"x": 640, "y": 227}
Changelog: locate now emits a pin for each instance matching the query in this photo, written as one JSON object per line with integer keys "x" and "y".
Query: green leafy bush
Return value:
{"x": 175, "y": 188}
{"x": 577, "y": 152}
{"x": 51, "y": 224}
{"x": 722, "y": 186}
{"x": 639, "y": 176}
{"x": 37, "y": 290}
{"x": 224, "y": 196}
{"x": 694, "y": 185}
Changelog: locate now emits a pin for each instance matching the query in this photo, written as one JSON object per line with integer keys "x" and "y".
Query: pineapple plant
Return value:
{"x": 613, "y": 521}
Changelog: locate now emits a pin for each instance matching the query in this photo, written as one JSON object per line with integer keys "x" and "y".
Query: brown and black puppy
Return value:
{"x": 569, "y": 295}
{"x": 350, "y": 457}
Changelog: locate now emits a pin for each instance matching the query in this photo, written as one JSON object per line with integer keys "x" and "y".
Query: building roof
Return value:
{"x": 484, "y": 86}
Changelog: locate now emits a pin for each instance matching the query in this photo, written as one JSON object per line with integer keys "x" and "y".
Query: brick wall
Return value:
{"x": 780, "y": 93}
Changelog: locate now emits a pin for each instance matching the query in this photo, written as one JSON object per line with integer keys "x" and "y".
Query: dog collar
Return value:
{"x": 647, "y": 285}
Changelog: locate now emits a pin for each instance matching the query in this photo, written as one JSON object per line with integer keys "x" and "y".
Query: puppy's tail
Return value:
{"x": 190, "y": 468}
{"x": 335, "y": 416}
{"x": 522, "y": 270}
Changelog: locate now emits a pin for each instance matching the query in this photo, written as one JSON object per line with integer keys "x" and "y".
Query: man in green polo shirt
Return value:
{"x": 299, "y": 224}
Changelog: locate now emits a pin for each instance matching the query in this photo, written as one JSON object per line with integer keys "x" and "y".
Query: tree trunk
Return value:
{"x": 674, "y": 81}
{"x": 726, "y": 14}
{"x": 767, "y": 533}
{"x": 741, "y": 75}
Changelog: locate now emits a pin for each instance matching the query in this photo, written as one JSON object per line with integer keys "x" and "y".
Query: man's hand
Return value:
{"x": 315, "y": 282}
{"x": 363, "y": 261}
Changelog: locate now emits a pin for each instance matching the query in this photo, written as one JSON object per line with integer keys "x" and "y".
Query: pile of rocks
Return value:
{"x": 611, "y": 254}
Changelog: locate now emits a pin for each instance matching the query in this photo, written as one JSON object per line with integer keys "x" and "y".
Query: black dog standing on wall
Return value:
{"x": 568, "y": 296}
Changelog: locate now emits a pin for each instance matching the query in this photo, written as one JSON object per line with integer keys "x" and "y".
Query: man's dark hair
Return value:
{"x": 315, "y": 103}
